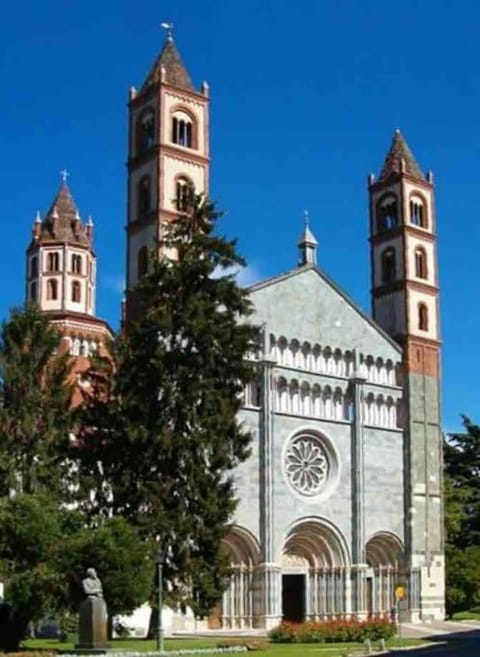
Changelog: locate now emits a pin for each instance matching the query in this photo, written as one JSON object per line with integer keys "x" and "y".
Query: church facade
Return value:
{"x": 340, "y": 502}
{"x": 340, "y": 505}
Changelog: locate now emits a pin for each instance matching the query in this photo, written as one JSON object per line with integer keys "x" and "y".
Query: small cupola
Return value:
{"x": 307, "y": 244}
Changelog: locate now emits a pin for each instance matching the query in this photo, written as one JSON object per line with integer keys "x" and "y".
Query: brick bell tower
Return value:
{"x": 405, "y": 299}
{"x": 168, "y": 150}
{"x": 61, "y": 279}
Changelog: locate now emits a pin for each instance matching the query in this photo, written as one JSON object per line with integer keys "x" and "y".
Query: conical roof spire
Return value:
{"x": 400, "y": 159}
{"x": 307, "y": 243}
{"x": 62, "y": 221}
{"x": 169, "y": 68}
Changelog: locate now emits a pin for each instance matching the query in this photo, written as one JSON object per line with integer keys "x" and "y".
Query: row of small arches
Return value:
{"x": 78, "y": 346}
{"x": 333, "y": 403}
{"x": 326, "y": 360}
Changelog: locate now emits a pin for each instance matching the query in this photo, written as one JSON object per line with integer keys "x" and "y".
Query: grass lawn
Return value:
{"x": 466, "y": 615}
{"x": 275, "y": 650}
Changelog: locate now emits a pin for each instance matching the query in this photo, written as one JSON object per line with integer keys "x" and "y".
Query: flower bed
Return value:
{"x": 333, "y": 631}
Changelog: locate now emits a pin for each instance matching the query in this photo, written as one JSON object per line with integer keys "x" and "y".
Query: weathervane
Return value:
{"x": 169, "y": 28}
{"x": 64, "y": 175}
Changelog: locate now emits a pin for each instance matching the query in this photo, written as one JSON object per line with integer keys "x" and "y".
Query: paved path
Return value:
{"x": 450, "y": 639}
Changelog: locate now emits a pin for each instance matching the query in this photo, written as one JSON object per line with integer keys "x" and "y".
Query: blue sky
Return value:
{"x": 305, "y": 97}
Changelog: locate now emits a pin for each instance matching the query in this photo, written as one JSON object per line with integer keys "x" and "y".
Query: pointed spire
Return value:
{"x": 400, "y": 159}
{"x": 169, "y": 68}
{"x": 62, "y": 221}
{"x": 307, "y": 244}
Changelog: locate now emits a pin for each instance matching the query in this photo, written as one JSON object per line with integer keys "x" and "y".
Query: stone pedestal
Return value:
{"x": 92, "y": 628}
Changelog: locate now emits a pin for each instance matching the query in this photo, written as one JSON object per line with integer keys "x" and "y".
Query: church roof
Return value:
{"x": 313, "y": 267}
{"x": 62, "y": 222}
{"x": 399, "y": 150}
{"x": 175, "y": 72}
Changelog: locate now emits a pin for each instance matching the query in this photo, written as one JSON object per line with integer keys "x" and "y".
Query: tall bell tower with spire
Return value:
{"x": 405, "y": 300}
{"x": 168, "y": 151}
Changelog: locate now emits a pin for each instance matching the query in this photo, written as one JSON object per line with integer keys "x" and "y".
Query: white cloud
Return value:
{"x": 246, "y": 276}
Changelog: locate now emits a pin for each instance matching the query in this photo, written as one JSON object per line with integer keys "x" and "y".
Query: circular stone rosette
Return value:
{"x": 307, "y": 465}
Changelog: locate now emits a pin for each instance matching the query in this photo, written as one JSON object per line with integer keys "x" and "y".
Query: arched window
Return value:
{"x": 388, "y": 265}
{"x": 76, "y": 292}
{"x": 182, "y": 130}
{"x": 76, "y": 263}
{"x": 145, "y": 131}
{"x": 387, "y": 214}
{"x": 33, "y": 291}
{"x": 183, "y": 193}
{"x": 144, "y": 195}
{"x": 422, "y": 317}
{"x": 53, "y": 261}
{"x": 142, "y": 262}
{"x": 417, "y": 213}
{"x": 34, "y": 267}
{"x": 52, "y": 289}
{"x": 421, "y": 263}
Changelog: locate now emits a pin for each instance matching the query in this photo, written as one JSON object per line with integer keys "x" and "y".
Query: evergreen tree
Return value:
{"x": 462, "y": 517}
{"x": 159, "y": 445}
{"x": 35, "y": 405}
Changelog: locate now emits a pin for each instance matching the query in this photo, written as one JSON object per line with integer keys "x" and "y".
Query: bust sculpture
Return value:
{"x": 92, "y": 586}
{"x": 92, "y": 629}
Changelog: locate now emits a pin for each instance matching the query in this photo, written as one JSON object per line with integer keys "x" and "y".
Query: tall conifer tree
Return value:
{"x": 35, "y": 405}
{"x": 165, "y": 438}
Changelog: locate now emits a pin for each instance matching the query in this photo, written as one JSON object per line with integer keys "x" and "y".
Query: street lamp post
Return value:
{"x": 160, "y": 600}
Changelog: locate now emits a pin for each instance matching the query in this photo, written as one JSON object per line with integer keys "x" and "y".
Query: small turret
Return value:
{"x": 307, "y": 244}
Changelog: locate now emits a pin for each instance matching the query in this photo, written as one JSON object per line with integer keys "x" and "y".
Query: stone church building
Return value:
{"x": 340, "y": 509}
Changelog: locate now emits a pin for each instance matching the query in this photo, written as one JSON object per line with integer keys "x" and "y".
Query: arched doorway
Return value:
{"x": 386, "y": 557}
{"x": 315, "y": 576}
{"x": 237, "y": 609}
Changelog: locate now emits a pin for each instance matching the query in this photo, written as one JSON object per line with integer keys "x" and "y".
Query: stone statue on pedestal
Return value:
{"x": 92, "y": 632}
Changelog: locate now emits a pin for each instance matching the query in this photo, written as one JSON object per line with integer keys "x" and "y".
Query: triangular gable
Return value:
{"x": 307, "y": 305}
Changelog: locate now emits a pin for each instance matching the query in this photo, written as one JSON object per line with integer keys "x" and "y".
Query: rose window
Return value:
{"x": 307, "y": 465}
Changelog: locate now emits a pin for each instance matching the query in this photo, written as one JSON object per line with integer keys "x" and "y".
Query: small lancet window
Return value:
{"x": 146, "y": 131}
{"x": 417, "y": 213}
{"x": 387, "y": 214}
{"x": 142, "y": 262}
{"x": 34, "y": 267}
{"x": 76, "y": 263}
{"x": 183, "y": 191}
{"x": 53, "y": 261}
{"x": 182, "y": 131}
{"x": 388, "y": 265}
{"x": 76, "y": 292}
{"x": 422, "y": 317}
{"x": 421, "y": 263}
{"x": 52, "y": 289}
{"x": 144, "y": 196}
{"x": 33, "y": 291}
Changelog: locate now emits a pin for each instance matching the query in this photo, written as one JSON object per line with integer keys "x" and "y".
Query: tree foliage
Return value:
{"x": 35, "y": 405}
{"x": 159, "y": 444}
{"x": 44, "y": 553}
{"x": 462, "y": 517}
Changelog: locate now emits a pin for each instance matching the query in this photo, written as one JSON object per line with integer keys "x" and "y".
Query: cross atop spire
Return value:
{"x": 169, "y": 28}
{"x": 65, "y": 174}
